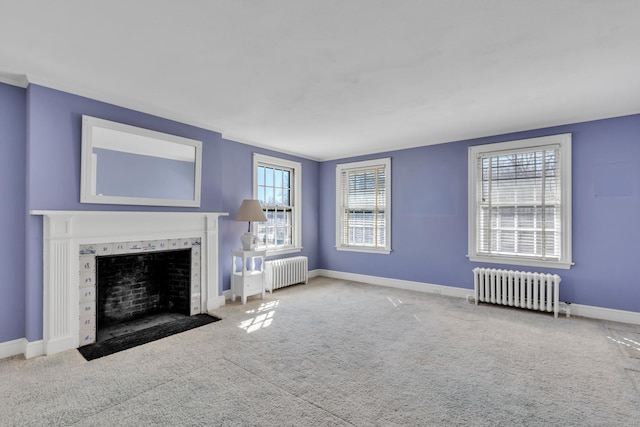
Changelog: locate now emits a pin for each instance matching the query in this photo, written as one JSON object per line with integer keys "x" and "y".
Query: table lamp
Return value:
{"x": 249, "y": 211}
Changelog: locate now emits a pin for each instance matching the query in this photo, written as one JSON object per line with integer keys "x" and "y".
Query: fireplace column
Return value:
{"x": 59, "y": 310}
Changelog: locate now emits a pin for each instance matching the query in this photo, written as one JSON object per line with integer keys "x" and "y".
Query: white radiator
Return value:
{"x": 534, "y": 291}
{"x": 285, "y": 271}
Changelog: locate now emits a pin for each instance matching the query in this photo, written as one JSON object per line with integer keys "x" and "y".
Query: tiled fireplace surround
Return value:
{"x": 88, "y": 284}
{"x": 71, "y": 241}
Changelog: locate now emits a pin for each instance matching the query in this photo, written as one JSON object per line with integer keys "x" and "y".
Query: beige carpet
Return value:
{"x": 339, "y": 354}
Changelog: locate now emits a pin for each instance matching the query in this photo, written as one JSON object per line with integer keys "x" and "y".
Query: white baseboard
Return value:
{"x": 21, "y": 346}
{"x": 314, "y": 273}
{"x": 397, "y": 283}
{"x": 605, "y": 313}
{"x": 311, "y": 274}
{"x": 34, "y": 349}
{"x": 12, "y": 348}
{"x": 576, "y": 309}
{"x": 215, "y": 302}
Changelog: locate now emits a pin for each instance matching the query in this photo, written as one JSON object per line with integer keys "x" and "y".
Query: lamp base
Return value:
{"x": 249, "y": 241}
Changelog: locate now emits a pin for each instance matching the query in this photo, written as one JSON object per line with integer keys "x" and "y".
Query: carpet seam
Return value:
{"x": 287, "y": 391}
{"x": 128, "y": 399}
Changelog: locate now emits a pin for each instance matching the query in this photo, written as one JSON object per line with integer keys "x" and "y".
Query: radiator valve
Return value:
{"x": 565, "y": 307}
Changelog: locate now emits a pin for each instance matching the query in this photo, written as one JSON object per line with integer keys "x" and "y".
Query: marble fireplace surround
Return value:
{"x": 65, "y": 231}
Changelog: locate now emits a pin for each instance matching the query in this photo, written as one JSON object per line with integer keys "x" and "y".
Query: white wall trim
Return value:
{"x": 593, "y": 312}
{"x": 218, "y": 301}
{"x": 21, "y": 346}
{"x": 314, "y": 273}
{"x": 13, "y": 79}
{"x": 397, "y": 283}
{"x": 296, "y": 167}
{"x": 602, "y": 313}
{"x": 34, "y": 349}
{"x": 476, "y": 152}
{"x": 342, "y": 171}
{"x": 105, "y": 96}
{"x": 311, "y": 274}
{"x": 12, "y": 348}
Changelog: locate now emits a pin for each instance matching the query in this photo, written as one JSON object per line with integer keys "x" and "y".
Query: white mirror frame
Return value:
{"x": 89, "y": 172}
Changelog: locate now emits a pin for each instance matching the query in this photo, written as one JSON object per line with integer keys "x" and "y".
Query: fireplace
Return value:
{"x": 124, "y": 281}
{"x": 130, "y": 287}
{"x": 73, "y": 240}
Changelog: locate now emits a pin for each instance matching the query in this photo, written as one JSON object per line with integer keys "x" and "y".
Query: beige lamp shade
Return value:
{"x": 249, "y": 211}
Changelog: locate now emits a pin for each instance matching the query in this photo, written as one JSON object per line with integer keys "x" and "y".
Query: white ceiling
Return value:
{"x": 328, "y": 79}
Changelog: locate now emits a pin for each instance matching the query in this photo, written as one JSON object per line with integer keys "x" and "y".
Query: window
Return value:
{"x": 363, "y": 206}
{"x": 520, "y": 202}
{"x": 277, "y": 186}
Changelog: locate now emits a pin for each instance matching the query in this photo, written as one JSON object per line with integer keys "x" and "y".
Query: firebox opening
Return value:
{"x": 137, "y": 291}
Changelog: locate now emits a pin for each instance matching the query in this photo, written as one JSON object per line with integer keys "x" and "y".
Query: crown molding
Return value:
{"x": 14, "y": 79}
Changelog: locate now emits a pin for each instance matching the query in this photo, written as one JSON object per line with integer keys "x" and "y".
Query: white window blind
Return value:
{"x": 521, "y": 202}
{"x": 363, "y": 205}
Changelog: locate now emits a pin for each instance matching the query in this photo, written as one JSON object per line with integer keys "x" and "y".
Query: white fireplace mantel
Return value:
{"x": 65, "y": 231}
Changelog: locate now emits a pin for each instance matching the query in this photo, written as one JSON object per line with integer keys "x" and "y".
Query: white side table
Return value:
{"x": 247, "y": 276}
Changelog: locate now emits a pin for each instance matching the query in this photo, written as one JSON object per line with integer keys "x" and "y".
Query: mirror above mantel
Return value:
{"x": 128, "y": 165}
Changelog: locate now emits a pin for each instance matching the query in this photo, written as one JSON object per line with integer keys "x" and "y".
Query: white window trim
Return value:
{"x": 297, "y": 198}
{"x": 340, "y": 168}
{"x": 564, "y": 140}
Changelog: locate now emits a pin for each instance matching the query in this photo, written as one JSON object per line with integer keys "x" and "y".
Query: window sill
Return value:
{"x": 363, "y": 249}
{"x": 521, "y": 261}
{"x": 283, "y": 251}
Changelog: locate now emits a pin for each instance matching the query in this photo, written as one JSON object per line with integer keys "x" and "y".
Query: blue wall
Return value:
{"x": 40, "y": 133}
{"x": 429, "y": 215}
{"x": 12, "y": 211}
{"x": 53, "y": 179}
